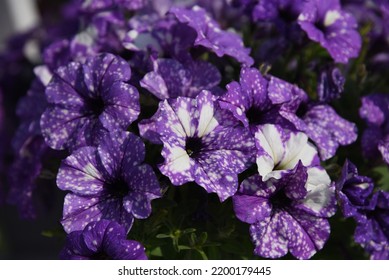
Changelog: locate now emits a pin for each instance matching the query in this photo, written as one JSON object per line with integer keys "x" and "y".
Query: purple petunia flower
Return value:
{"x": 373, "y": 233}
{"x": 107, "y": 182}
{"x": 86, "y": 101}
{"x": 354, "y": 192}
{"x": 171, "y": 79}
{"x": 29, "y": 150}
{"x": 288, "y": 208}
{"x": 23, "y": 176}
{"x": 375, "y": 138}
{"x": 330, "y": 85}
{"x": 286, "y": 11}
{"x": 201, "y": 143}
{"x": 256, "y": 100}
{"x": 328, "y": 130}
{"x": 102, "y": 240}
{"x": 211, "y": 36}
{"x": 336, "y": 30}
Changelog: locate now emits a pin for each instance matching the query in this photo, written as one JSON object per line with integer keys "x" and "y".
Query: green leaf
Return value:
{"x": 156, "y": 252}
{"x": 163, "y": 235}
{"x": 383, "y": 176}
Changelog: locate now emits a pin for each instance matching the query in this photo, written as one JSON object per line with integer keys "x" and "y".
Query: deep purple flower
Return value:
{"x": 288, "y": 208}
{"x": 373, "y": 233}
{"x": 375, "y": 138}
{"x": 201, "y": 143}
{"x": 286, "y": 11}
{"x": 336, "y": 30}
{"x": 23, "y": 176}
{"x": 256, "y": 100}
{"x": 354, "y": 192}
{"x": 171, "y": 79}
{"x": 107, "y": 182}
{"x": 211, "y": 36}
{"x": 88, "y": 100}
{"x": 29, "y": 150}
{"x": 102, "y": 240}
{"x": 328, "y": 130}
{"x": 29, "y": 111}
{"x": 330, "y": 85}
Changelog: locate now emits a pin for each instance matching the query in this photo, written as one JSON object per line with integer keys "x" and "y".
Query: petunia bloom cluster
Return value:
{"x": 185, "y": 122}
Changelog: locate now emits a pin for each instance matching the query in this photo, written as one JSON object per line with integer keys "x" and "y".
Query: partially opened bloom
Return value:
{"x": 330, "y": 85}
{"x": 211, "y": 36}
{"x": 88, "y": 100}
{"x": 201, "y": 143}
{"x": 375, "y": 139}
{"x": 373, "y": 233}
{"x": 107, "y": 182}
{"x": 102, "y": 240}
{"x": 354, "y": 191}
{"x": 287, "y": 204}
{"x": 336, "y": 30}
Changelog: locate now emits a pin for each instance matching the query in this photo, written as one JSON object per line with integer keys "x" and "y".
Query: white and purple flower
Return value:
{"x": 201, "y": 143}
{"x": 287, "y": 204}
{"x": 107, "y": 182}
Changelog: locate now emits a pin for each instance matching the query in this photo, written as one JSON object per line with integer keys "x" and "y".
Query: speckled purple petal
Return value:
{"x": 79, "y": 211}
{"x": 353, "y": 192}
{"x": 79, "y": 173}
{"x": 102, "y": 240}
{"x": 122, "y": 106}
{"x": 211, "y": 36}
{"x": 170, "y": 79}
{"x": 267, "y": 238}
{"x": 328, "y": 130}
{"x": 326, "y": 23}
{"x": 251, "y": 203}
{"x": 306, "y": 234}
{"x": 373, "y": 233}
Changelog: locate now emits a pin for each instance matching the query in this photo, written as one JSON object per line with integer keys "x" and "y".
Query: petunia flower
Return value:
{"x": 328, "y": 130}
{"x": 211, "y": 36}
{"x": 102, "y": 240}
{"x": 375, "y": 138}
{"x": 171, "y": 79}
{"x": 257, "y": 100}
{"x": 336, "y": 30}
{"x": 354, "y": 192}
{"x": 107, "y": 182}
{"x": 201, "y": 143}
{"x": 373, "y": 233}
{"x": 88, "y": 100}
{"x": 287, "y": 204}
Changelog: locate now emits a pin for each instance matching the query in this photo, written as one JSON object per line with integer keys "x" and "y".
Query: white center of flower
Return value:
{"x": 279, "y": 154}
